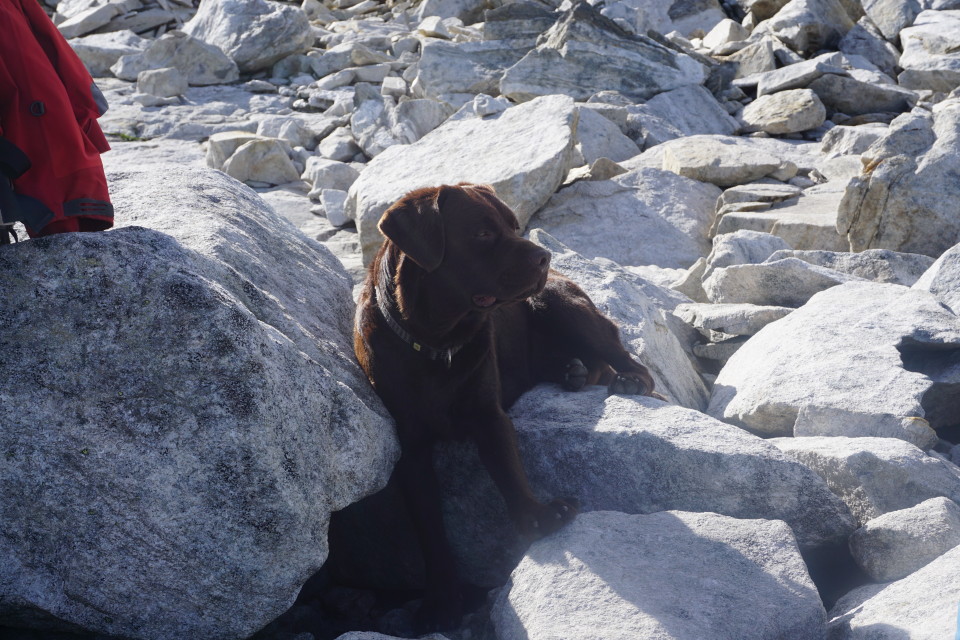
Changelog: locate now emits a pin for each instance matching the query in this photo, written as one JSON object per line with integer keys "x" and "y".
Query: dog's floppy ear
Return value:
{"x": 415, "y": 225}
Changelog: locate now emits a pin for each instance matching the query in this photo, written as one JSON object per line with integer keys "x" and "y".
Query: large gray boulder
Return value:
{"x": 183, "y": 413}
{"x": 101, "y": 51}
{"x": 586, "y": 52}
{"x": 611, "y": 576}
{"x": 878, "y": 265}
{"x": 723, "y": 160}
{"x": 495, "y": 150}
{"x": 908, "y": 202}
{"x": 466, "y": 67}
{"x": 811, "y": 25}
{"x": 930, "y": 57}
{"x": 202, "y": 63}
{"x": 849, "y": 362}
{"x": 785, "y": 282}
{"x": 646, "y": 216}
{"x": 922, "y": 606}
{"x": 874, "y": 476}
{"x": 684, "y": 111}
{"x": 254, "y": 33}
{"x": 896, "y": 544}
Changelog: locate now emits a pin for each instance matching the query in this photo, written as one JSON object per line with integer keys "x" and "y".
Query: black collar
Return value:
{"x": 386, "y": 303}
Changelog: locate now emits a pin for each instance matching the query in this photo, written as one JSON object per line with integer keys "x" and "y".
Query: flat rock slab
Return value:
{"x": 721, "y": 160}
{"x": 922, "y": 606}
{"x": 493, "y": 150}
{"x": 643, "y": 217}
{"x": 896, "y": 544}
{"x": 788, "y": 282}
{"x": 201, "y": 62}
{"x": 785, "y": 112}
{"x": 672, "y": 574}
{"x": 836, "y": 366}
{"x": 203, "y": 418}
{"x": 731, "y": 319}
{"x": 874, "y": 476}
{"x": 467, "y": 67}
{"x": 585, "y": 52}
{"x": 931, "y": 58}
{"x": 878, "y": 265}
{"x": 942, "y": 279}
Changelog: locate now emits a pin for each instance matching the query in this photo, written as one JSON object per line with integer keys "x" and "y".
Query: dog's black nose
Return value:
{"x": 540, "y": 258}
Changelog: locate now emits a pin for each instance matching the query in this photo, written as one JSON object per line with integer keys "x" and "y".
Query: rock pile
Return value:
{"x": 762, "y": 193}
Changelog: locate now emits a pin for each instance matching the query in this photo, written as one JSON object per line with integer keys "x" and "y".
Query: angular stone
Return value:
{"x": 744, "y": 247}
{"x": 611, "y": 576}
{"x": 333, "y": 201}
{"x": 222, "y": 145}
{"x": 942, "y": 279}
{"x": 324, "y": 173}
{"x": 931, "y": 58}
{"x": 878, "y": 265}
{"x": 585, "y": 53}
{"x": 144, "y": 21}
{"x": 853, "y": 97}
{"x": 788, "y": 282}
{"x": 598, "y": 137}
{"x": 896, "y": 544}
{"x": 799, "y": 75}
{"x": 488, "y": 150}
{"x": 517, "y": 20}
{"x": 642, "y": 217}
{"x": 264, "y": 160}
{"x": 811, "y": 25}
{"x": 89, "y": 20}
{"x": 874, "y": 476}
{"x": 754, "y": 58}
{"x": 721, "y": 160}
{"x": 100, "y": 51}
{"x": 253, "y": 33}
{"x": 730, "y": 319}
{"x": 790, "y": 111}
{"x": 891, "y": 16}
{"x": 843, "y": 140}
{"x": 922, "y": 606}
{"x": 724, "y": 32}
{"x": 841, "y": 359}
{"x": 686, "y": 111}
{"x": 864, "y": 39}
{"x": 202, "y": 63}
{"x": 340, "y": 145}
{"x": 466, "y": 67}
{"x": 690, "y": 16}
{"x": 164, "y": 83}
{"x": 204, "y": 418}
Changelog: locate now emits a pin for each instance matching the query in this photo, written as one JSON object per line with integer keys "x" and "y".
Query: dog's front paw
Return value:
{"x": 575, "y": 375}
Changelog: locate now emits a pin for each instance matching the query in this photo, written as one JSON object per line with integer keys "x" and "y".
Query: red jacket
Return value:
{"x": 49, "y": 107}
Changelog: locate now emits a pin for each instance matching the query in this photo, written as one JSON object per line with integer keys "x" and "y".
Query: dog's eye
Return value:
{"x": 484, "y": 234}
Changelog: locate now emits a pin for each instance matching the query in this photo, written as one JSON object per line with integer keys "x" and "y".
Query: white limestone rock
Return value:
{"x": 942, "y": 279}
{"x": 585, "y": 52}
{"x": 253, "y": 33}
{"x": 262, "y": 160}
{"x": 721, "y": 160}
{"x": 853, "y": 97}
{"x": 685, "y": 111}
{"x": 598, "y": 137}
{"x": 810, "y": 25}
{"x": 671, "y": 574}
{"x": 643, "y": 217}
{"x": 891, "y": 16}
{"x": 163, "y": 83}
{"x": 724, "y": 32}
{"x": 493, "y": 150}
{"x": 878, "y": 265}
{"x": 340, "y": 145}
{"x": 466, "y": 67}
{"x": 323, "y": 173}
{"x": 896, "y": 544}
{"x": 865, "y": 39}
{"x": 787, "y": 282}
{"x": 874, "y": 476}
{"x": 91, "y": 19}
{"x": 333, "y": 201}
{"x": 744, "y": 247}
{"x": 789, "y": 111}
{"x": 838, "y": 363}
{"x": 922, "y": 606}
{"x": 844, "y": 140}
{"x": 202, "y": 63}
{"x": 100, "y": 51}
{"x": 930, "y": 57}
{"x": 730, "y": 319}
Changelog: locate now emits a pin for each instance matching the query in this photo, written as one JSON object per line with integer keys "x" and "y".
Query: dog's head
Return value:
{"x": 468, "y": 243}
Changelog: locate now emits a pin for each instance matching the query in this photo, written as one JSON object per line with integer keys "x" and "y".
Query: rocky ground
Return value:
{"x": 764, "y": 194}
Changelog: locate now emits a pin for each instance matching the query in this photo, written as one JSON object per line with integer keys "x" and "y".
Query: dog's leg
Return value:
{"x": 442, "y": 606}
{"x": 497, "y": 445}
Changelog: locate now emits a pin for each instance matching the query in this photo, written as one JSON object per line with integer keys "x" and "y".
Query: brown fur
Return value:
{"x": 450, "y": 251}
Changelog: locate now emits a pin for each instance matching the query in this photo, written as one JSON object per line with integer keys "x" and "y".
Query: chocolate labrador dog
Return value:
{"x": 458, "y": 316}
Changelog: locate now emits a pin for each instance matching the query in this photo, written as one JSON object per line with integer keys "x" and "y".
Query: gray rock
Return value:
{"x": 222, "y": 145}
{"x": 642, "y": 312}
{"x": 922, "y": 606}
{"x": 689, "y": 16}
{"x": 891, "y": 16}
{"x": 333, "y": 201}
{"x": 721, "y": 160}
{"x": 908, "y": 203}
{"x": 896, "y": 544}
{"x": 909, "y": 134}
{"x": 942, "y": 279}
{"x": 609, "y": 575}
{"x": 874, "y": 476}
{"x": 811, "y": 25}
{"x": 865, "y": 39}
{"x": 163, "y": 83}
{"x": 762, "y": 9}
{"x": 598, "y": 137}
{"x": 262, "y": 160}
{"x": 340, "y": 145}
{"x": 763, "y": 192}
{"x": 930, "y": 57}
{"x": 254, "y": 33}
{"x": 147, "y": 20}
{"x": 788, "y": 282}
{"x": 843, "y": 140}
{"x": 494, "y": 150}
{"x": 685, "y": 111}
{"x": 744, "y": 247}
{"x": 324, "y": 173}
{"x": 517, "y": 20}
{"x": 100, "y": 51}
{"x": 466, "y": 67}
{"x": 756, "y": 58}
{"x": 725, "y": 32}
{"x": 839, "y": 363}
{"x": 584, "y": 53}
{"x": 202, "y": 63}
{"x": 203, "y": 419}
{"x": 730, "y": 319}
{"x": 789, "y": 111}
{"x": 878, "y": 265}
{"x": 853, "y": 97}
{"x": 646, "y": 216}
{"x": 89, "y": 19}
{"x": 799, "y": 75}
